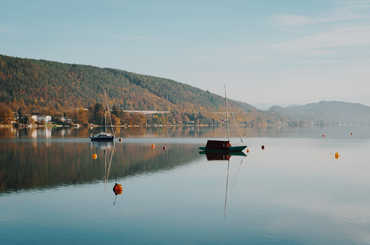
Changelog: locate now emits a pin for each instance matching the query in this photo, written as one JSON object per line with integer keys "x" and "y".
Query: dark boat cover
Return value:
{"x": 218, "y": 145}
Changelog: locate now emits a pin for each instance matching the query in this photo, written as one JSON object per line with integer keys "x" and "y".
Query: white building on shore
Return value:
{"x": 41, "y": 118}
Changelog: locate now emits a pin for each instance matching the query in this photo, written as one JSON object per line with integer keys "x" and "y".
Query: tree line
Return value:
{"x": 53, "y": 88}
{"x": 95, "y": 114}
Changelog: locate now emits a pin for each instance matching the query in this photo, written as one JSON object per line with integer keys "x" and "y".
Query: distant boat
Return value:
{"x": 222, "y": 145}
{"x": 104, "y": 136}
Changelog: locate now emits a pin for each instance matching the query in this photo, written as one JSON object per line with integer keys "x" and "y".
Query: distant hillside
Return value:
{"x": 328, "y": 111}
{"x": 41, "y": 83}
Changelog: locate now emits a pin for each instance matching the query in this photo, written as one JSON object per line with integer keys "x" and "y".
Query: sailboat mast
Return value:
{"x": 105, "y": 110}
{"x": 227, "y": 118}
{"x": 107, "y": 113}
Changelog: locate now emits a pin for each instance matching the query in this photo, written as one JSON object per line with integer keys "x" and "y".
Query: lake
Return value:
{"x": 53, "y": 191}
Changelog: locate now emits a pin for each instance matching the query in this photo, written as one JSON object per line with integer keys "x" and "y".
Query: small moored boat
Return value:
{"x": 102, "y": 137}
{"x": 105, "y": 136}
{"x": 221, "y": 146}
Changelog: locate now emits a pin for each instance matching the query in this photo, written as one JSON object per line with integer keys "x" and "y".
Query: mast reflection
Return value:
{"x": 225, "y": 156}
{"x": 108, "y": 149}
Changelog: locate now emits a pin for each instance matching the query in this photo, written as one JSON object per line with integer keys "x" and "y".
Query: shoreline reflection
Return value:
{"x": 361, "y": 132}
{"x": 26, "y": 165}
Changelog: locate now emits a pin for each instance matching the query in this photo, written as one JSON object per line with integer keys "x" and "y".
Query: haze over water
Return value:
{"x": 294, "y": 192}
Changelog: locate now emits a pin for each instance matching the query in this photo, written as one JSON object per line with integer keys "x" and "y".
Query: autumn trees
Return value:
{"x": 40, "y": 86}
{"x": 6, "y": 114}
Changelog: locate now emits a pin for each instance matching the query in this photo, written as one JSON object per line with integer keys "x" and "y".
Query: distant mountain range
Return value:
{"x": 328, "y": 111}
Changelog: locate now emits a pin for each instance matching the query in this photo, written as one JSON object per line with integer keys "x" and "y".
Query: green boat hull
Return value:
{"x": 231, "y": 153}
{"x": 230, "y": 149}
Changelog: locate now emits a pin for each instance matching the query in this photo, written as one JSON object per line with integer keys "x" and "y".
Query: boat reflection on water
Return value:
{"x": 108, "y": 149}
{"x": 102, "y": 145}
{"x": 225, "y": 156}
{"x": 221, "y": 156}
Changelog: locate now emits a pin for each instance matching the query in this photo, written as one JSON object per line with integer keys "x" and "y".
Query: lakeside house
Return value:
{"x": 66, "y": 120}
{"x": 41, "y": 118}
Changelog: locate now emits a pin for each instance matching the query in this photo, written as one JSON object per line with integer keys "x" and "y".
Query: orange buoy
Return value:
{"x": 336, "y": 155}
{"x": 263, "y": 147}
{"x": 247, "y": 150}
{"x": 117, "y": 189}
{"x": 94, "y": 156}
{"x": 153, "y": 146}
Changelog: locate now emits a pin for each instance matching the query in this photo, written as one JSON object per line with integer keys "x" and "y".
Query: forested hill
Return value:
{"x": 34, "y": 84}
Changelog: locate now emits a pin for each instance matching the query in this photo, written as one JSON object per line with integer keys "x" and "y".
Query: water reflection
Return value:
{"x": 225, "y": 156}
{"x": 291, "y": 193}
{"x": 220, "y": 156}
{"x": 107, "y": 149}
{"x": 190, "y": 131}
{"x": 43, "y": 164}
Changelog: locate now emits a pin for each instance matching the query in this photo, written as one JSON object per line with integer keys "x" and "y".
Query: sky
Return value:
{"x": 266, "y": 52}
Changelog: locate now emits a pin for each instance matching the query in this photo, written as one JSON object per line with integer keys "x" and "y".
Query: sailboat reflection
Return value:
{"x": 108, "y": 149}
{"x": 224, "y": 156}
{"x": 102, "y": 145}
{"x": 221, "y": 156}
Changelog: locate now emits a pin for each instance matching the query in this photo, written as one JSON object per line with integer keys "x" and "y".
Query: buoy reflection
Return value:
{"x": 336, "y": 155}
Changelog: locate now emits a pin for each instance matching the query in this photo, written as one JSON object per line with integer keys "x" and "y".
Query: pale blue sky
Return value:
{"x": 269, "y": 52}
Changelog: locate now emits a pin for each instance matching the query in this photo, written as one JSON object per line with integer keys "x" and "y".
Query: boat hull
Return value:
{"x": 232, "y": 153}
{"x": 102, "y": 139}
{"x": 229, "y": 149}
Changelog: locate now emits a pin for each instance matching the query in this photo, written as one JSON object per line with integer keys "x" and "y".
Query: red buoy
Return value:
{"x": 117, "y": 189}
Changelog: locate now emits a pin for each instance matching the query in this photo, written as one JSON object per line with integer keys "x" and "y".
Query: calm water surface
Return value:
{"x": 294, "y": 192}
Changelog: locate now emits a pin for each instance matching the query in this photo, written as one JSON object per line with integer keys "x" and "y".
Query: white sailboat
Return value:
{"x": 105, "y": 136}
{"x": 223, "y": 145}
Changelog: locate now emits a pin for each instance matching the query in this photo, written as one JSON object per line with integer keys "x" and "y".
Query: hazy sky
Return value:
{"x": 273, "y": 52}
